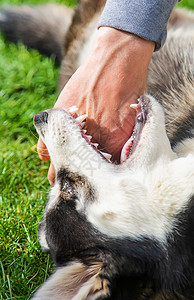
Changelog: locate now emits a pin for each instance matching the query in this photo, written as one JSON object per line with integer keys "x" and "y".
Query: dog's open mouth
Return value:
{"x": 141, "y": 109}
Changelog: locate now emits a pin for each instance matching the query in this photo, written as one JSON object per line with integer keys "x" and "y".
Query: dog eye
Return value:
{"x": 67, "y": 189}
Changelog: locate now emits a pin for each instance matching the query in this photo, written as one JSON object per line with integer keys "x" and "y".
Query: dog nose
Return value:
{"x": 41, "y": 117}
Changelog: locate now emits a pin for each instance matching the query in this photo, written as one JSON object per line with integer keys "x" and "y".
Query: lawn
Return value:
{"x": 27, "y": 85}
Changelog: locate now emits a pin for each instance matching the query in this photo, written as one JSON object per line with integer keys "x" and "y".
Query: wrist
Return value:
{"x": 126, "y": 42}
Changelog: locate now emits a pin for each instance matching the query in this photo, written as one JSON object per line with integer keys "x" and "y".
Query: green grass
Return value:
{"x": 16, "y": 2}
{"x": 27, "y": 85}
{"x": 187, "y": 4}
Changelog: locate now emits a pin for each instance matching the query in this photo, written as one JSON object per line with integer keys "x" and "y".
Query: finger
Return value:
{"x": 42, "y": 150}
{"x": 51, "y": 174}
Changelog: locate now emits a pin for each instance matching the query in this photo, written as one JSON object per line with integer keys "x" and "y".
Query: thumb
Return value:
{"x": 42, "y": 150}
{"x": 51, "y": 174}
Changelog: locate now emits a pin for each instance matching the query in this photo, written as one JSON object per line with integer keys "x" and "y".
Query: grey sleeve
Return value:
{"x": 145, "y": 18}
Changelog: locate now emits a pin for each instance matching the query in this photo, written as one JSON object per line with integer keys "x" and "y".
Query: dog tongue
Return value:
{"x": 126, "y": 150}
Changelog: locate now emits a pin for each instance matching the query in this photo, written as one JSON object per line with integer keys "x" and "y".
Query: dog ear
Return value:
{"x": 74, "y": 282}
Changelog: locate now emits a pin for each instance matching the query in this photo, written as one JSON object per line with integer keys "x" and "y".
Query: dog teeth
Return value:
{"x": 96, "y": 145}
{"x": 84, "y": 131}
{"x": 134, "y": 105}
{"x": 89, "y": 137}
{"x": 106, "y": 155}
{"x": 83, "y": 124}
{"x": 81, "y": 118}
{"x": 73, "y": 109}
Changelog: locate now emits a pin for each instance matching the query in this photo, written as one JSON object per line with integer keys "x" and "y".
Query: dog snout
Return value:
{"x": 41, "y": 117}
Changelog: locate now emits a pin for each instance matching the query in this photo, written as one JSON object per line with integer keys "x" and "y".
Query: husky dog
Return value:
{"x": 121, "y": 232}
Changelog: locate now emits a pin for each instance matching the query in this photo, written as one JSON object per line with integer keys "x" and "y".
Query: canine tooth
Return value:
{"x": 96, "y": 145}
{"x": 134, "y": 105}
{"x": 89, "y": 137}
{"x": 138, "y": 99}
{"x": 81, "y": 118}
{"x": 73, "y": 109}
{"x": 84, "y": 131}
{"x": 106, "y": 155}
{"x": 83, "y": 124}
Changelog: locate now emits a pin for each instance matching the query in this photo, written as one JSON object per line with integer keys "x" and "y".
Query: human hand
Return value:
{"x": 113, "y": 77}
